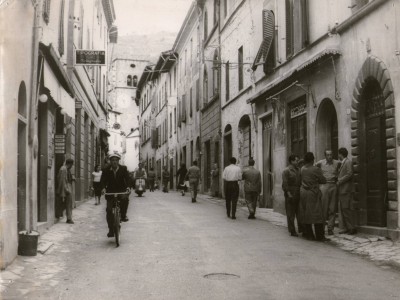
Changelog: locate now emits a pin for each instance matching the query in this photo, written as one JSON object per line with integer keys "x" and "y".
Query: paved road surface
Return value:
{"x": 170, "y": 245}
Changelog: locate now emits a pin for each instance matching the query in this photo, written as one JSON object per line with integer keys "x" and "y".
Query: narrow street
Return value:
{"x": 169, "y": 246}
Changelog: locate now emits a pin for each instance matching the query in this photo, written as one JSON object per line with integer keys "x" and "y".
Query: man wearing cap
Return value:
{"x": 115, "y": 179}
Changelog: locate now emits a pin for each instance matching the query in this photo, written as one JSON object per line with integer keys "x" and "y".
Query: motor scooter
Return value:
{"x": 140, "y": 186}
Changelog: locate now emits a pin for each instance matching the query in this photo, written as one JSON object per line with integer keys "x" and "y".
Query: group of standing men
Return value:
{"x": 314, "y": 191}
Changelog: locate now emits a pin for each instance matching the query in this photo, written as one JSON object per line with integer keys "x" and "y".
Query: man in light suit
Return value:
{"x": 345, "y": 191}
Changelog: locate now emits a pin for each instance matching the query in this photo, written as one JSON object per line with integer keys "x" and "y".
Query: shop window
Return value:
{"x": 298, "y": 127}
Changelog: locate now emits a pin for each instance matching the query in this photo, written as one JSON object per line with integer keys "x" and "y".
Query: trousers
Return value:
{"x": 292, "y": 206}
{"x": 193, "y": 189}
{"x": 319, "y": 231}
{"x": 251, "y": 201}
{"x": 345, "y": 210}
{"x": 329, "y": 203}
{"x": 66, "y": 204}
{"x": 231, "y": 197}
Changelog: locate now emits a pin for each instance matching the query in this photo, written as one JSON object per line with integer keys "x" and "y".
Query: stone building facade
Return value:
{"x": 334, "y": 85}
{"x": 58, "y": 107}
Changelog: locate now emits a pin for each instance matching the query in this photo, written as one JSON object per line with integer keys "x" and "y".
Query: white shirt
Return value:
{"x": 97, "y": 176}
{"x": 232, "y": 173}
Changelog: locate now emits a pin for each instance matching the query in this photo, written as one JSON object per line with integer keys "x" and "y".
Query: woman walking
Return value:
{"x": 96, "y": 183}
{"x": 310, "y": 208}
{"x": 181, "y": 174}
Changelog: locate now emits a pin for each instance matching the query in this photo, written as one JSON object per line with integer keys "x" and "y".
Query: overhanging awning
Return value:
{"x": 57, "y": 91}
{"x": 56, "y": 66}
{"x": 288, "y": 77}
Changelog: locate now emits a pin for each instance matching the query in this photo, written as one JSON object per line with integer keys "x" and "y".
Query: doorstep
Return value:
{"x": 393, "y": 234}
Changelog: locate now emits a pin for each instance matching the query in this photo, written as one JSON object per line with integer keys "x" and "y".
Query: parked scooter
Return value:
{"x": 140, "y": 186}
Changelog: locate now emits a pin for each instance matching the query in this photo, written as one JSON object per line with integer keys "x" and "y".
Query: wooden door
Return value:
{"x": 267, "y": 163}
{"x": 207, "y": 171}
{"x": 246, "y": 146}
{"x": 376, "y": 171}
{"x": 299, "y": 135}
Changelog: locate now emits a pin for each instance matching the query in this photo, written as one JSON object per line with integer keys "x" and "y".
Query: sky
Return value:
{"x": 150, "y": 16}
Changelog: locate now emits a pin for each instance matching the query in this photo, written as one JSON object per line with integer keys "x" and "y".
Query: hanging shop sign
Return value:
{"x": 90, "y": 57}
{"x": 59, "y": 144}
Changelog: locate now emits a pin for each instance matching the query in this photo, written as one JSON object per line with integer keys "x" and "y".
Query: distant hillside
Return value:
{"x": 146, "y": 47}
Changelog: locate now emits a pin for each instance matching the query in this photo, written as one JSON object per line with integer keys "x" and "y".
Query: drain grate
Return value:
{"x": 221, "y": 276}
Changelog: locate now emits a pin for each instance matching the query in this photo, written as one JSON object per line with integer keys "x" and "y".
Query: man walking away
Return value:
{"x": 165, "y": 179}
{"x": 193, "y": 175}
{"x": 291, "y": 187}
{"x": 252, "y": 187}
{"x": 151, "y": 177}
{"x": 232, "y": 174}
{"x": 64, "y": 189}
{"x": 329, "y": 167}
{"x": 115, "y": 179}
{"x": 345, "y": 191}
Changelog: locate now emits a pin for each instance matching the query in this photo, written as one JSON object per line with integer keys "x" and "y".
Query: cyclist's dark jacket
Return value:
{"x": 115, "y": 183}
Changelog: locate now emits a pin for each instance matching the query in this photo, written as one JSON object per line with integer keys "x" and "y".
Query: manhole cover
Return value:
{"x": 221, "y": 276}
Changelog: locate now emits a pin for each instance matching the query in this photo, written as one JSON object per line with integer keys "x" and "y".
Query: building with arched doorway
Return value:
{"x": 330, "y": 90}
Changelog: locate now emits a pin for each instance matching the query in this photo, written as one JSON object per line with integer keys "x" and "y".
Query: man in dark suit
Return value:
{"x": 252, "y": 187}
{"x": 345, "y": 191}
{"x": 115, "y": 179}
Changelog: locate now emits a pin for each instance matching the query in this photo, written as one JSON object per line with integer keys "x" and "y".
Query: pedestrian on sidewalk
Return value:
{"x": 180, "y": 175}
{"x": 64, "y": 189}
{"x": 96, "y": 184}
{"x": 215, "y": 180}
{"x": 345, "y": 191}
{"x": 193, "y": 175}
{"x": 252, "y": 187}
{"x": 165, "y": 179}
{"x": 151, "y": 177}
{"x": 232, "y": 175}
{"x": 115, "y": 179}
{"x": 291, "y": 187}
{"x": 329, "y": 167}
{"x": 310, "y": 210}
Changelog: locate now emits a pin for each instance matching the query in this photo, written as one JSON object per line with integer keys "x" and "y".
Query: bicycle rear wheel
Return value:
{"x": 117, "y": 226}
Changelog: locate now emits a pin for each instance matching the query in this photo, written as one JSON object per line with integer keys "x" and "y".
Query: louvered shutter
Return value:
{"x": 268, "y": 37}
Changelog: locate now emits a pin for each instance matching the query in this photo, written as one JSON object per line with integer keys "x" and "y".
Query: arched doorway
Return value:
{"x": 21, "y": 164}
{"x": 327, "y": 129}
{"x": 374, "y": 142}
{"x": 244, "y": 138}
{"x": 227, "y": 144}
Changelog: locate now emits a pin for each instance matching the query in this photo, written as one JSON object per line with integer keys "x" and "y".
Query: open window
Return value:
{"x": 266, "y": 52}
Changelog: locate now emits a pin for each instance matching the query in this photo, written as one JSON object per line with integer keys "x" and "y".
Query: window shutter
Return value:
{"x": 61, "y": 30}
{"x": 289, "y": 29}
{"x": 190, "y": 104}
{"x": 183, "y": 108}
{"x": 46, "y": 11}
{"x": 304, "y": 23}
{"x": 197, "y": 95}
{"x": 268, "y": 37}
{"x": 159, "y": 136}
{"x": 154, "y": 136}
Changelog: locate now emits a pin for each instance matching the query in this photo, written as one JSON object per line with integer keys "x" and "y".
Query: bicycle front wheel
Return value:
{"x": 117, "y": 226}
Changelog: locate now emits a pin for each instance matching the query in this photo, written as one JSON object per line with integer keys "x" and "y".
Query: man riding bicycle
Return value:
{"x": 115, "y": 179}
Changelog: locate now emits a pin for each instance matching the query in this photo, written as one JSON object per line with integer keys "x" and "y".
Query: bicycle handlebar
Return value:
{"x": 124, "y": 193}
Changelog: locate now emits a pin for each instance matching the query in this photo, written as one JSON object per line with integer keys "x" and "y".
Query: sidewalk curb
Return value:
{"x": 355, "y": 239}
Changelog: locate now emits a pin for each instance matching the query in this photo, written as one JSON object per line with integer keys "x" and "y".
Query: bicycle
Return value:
{"x": 116, "y": 213}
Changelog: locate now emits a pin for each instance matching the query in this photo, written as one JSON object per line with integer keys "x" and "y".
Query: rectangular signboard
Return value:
{"x": 90, "y": 57}
{"x": 78, "y": 104}
{"x": 59, "y": 144}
